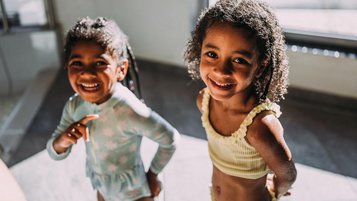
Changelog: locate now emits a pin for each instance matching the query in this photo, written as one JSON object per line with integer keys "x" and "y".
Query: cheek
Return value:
{"x": 71, "y": 76}
{"x": 108, "y": 77}
{"x": 72, "y": 81}
{"x": 245, "y": 74}
{"x": 202, "y": 71}
{"x": 205, "y": 65}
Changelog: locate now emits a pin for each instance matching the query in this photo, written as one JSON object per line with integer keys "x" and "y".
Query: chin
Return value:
{"x": 92, "y": 98}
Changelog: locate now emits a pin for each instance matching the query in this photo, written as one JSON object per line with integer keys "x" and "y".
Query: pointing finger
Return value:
{"x": 88, "y": 118}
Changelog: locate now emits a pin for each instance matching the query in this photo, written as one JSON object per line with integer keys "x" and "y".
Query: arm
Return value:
{"x": 141, "y": 120}
{"x": 266, "y": 136}
{"x": 199, "y": 100}
{"x": 67, "y": 134}
{"x": 65, "y": 121}
{"x": 168, "y": 138}
{"x": 10, "y": 189}
{"x": 159, "y": 130}
{"x": 70, "y": 136}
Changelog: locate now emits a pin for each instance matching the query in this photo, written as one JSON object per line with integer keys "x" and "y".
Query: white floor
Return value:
{"x": 186, "y": 178}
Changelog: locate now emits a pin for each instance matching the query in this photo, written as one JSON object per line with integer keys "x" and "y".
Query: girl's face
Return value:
{"x": 93, "y": 71}
{"x": 229, "y": 60}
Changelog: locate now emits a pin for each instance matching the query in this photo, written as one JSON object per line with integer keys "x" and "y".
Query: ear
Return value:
{"x": 263, "y": 66}
{"x": 122, "y": 69}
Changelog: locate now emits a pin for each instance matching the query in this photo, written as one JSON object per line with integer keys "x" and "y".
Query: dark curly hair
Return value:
{"x": 258, "y": 18}
{"x": 108, "y": 35}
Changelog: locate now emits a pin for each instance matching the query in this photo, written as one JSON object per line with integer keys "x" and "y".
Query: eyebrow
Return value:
{"x": 75, "y": 56}
{"x": 246, "y": 53}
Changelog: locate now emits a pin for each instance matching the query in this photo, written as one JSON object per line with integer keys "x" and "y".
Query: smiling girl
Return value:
{"x": 110, "y": 118}
{"x": 237, "y": 49}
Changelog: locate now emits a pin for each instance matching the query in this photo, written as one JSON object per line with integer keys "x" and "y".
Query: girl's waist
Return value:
{"x": 114, "y": 169}
{"x": 232, "y": 186}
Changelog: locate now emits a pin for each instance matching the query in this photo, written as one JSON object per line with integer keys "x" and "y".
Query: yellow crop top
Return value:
{"x": 233, "y": 155}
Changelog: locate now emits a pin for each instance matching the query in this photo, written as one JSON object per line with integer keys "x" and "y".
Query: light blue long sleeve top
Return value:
{"x": 115, "y": 137}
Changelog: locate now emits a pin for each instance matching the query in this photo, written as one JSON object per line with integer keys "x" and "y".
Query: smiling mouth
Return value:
{"x": 89, "y": 87}
{"x": 223, "y": 86}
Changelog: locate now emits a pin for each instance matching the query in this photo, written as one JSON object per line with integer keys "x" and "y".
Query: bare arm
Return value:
{"x": 199, "y": 100}
{"x": 266, "y": 136}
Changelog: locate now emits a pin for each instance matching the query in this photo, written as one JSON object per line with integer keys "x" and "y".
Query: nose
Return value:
{"x": 89, "y": 70}
{"x": 224, "y": 67}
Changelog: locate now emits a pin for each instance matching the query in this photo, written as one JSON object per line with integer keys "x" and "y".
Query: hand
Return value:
{"x": 270, "y": 183}
{"x": 154, "y": 183}
{"x": 75, "y": 131}
{"x": 271, "y": 186}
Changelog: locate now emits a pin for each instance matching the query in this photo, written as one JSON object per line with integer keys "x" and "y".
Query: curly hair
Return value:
{"x": 258, "y": 18}
{"x": 109, "y": 36}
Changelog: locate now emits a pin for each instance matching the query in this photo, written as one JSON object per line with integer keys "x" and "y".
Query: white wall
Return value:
{"x": 323, "y": 73}
{"x": 24, "y": 55}
{"x": 157, "y": 29}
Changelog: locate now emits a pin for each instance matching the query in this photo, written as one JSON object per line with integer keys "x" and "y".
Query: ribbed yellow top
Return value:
{"x": 232, "y": 154}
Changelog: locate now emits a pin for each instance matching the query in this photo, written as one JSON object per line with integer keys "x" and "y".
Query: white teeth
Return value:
{"x": 89, "y": 85}
{"x": 222, "y": 85}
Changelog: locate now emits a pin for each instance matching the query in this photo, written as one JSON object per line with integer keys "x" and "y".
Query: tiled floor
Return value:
{"x": 323, "y": 139}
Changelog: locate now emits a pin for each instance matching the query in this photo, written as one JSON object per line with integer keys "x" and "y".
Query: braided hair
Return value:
{"x": 108, "y": 35}
{"x": 259, "y": 19}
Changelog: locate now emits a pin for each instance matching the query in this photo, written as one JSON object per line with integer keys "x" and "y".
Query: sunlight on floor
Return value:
{"x": 187, "y": 176}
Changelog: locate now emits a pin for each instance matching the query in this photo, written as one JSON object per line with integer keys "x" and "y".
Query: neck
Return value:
{"x": 239, "y": 102}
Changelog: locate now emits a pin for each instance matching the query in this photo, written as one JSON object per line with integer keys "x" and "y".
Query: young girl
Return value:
{"x": 108, "y": 116}
{"x": 237, "y": 49}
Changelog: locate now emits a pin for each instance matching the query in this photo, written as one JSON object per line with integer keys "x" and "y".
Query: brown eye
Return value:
{"x": 211, "y": 54}
{"x": 240, "y": 61}
{"x": 76, "y": 64}
{"x": 100, "y": 63}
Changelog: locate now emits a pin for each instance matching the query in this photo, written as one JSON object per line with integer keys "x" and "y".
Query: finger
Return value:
{"x": 88, "y": 118}
{"x": 81, "y": 125}
{"x": 70, "y": 138}
{"x": 86, "y": 135}
{"x": 83, "y": 131}
{"x": 74, "y": 132}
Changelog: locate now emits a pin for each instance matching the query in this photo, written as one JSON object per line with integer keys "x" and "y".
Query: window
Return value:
{"x": 323, "y": 24}
{"x": 23, "y": 15}
{"x": 332, "y": 17}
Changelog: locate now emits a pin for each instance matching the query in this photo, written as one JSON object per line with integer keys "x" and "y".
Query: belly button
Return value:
{"x": 218, "y": 189}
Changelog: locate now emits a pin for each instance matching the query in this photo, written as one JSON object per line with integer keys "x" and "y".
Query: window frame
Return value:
{"x": 346, "y": 44}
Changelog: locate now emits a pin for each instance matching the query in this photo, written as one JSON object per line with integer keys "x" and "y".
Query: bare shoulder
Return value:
{"x": 265, "y": 125}
{"x": 266, "y": 135}
{"x": 199, "y": 99}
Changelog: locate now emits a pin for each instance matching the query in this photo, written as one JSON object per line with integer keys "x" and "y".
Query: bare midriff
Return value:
{"x": 231, "y": 188}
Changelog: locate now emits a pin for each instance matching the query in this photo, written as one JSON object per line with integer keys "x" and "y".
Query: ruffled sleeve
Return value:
{"x": 270, "y": 106}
